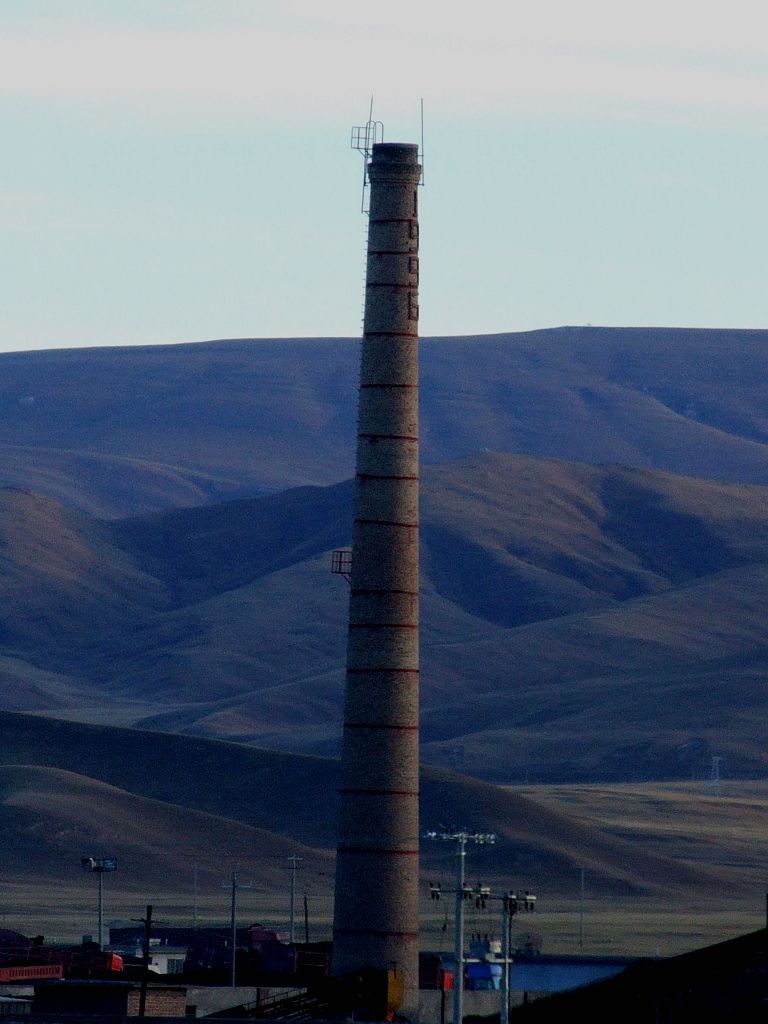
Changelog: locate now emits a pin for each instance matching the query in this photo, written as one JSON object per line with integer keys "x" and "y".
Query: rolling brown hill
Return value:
{"x": 121, "y": 431}
{"x": 580, "y": 622}
{"x": 105, "y": 484}
{"x": 51, "y": 817}
{"x": 146, "y": 797}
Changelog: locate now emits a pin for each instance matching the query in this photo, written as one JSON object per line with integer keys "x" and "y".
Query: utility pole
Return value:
{"x": 234, "y": 925}
{"x": 462, "y": 892}
{"x": 293, "y": 862}
{"x": 511, "y": 904}
{"x": 194, "y": 892}
{"x": 458, "y": 932}
{"x": 145, "y": 961}
{"x": 506, "y": 928}
{"x": 235, "y": 885}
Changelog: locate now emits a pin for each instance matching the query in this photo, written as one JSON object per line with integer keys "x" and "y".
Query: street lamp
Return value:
{"x": 99, "y": 865}
{"x": 462, "y": 893}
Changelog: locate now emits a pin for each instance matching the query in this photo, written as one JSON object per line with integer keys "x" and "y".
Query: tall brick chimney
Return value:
{"x": 376, "y": 921}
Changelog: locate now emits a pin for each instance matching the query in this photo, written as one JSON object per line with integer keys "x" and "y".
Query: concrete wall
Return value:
{"x": 476, "y": 1004}
{"x": 212, "y": 998}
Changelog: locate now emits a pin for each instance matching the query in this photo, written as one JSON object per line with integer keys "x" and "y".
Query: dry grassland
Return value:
{"x": 725, "y": 835}
{"x": 723, "y": 838}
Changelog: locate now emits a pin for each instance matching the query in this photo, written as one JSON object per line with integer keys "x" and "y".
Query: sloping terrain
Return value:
{"x": 145, "y": 797}
{"x": 665, "y": 866}
{"x": 61, "y": 576}
{"x": 684, "y": 817}
{"x": 106, "y": 485}
{"x": 51, "y": 817}
{"x": 122, "y": 431}
{"x": 580, "y": 622}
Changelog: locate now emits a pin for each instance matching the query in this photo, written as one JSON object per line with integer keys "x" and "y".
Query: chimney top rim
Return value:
{"x": 402, "y": 152}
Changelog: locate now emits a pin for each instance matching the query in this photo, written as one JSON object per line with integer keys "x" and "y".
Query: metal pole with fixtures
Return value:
{"x": 293, "y": 863}
{"x": 461, "y": 838}
{"x": 458, "y": 932}
{"x": 506, "y": 927}
{"x": 98, "y": 865}
{"x": 511, "y": 904}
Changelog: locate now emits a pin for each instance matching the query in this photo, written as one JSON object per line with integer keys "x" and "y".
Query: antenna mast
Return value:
{"x": 363, "y": 139}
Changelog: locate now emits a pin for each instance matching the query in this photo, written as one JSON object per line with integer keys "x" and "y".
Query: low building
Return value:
{"x": 15, "y": 1006}
{"x": 163, "y": 959}
{"x": 107, "y": 999}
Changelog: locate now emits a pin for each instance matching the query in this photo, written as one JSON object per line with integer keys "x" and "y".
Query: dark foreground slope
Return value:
{"x": 579, "y": 622}
{"x": 121, "y": 431}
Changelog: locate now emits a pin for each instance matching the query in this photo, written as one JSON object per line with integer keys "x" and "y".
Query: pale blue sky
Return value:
{"x": 178, "y": 170}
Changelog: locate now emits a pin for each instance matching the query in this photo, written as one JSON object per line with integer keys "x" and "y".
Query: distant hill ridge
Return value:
{"x": 120, "y": 431}
{"x": 595, "y": 566}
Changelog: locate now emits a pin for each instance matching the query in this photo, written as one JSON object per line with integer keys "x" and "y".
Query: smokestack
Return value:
{"x": 376, "y": 921}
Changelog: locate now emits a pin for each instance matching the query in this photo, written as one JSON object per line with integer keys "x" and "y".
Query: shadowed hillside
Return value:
{"x": 120, "y": 431}
{"x": 124, "y": 790}
{"x": 579, "y": 622}
{"x": 51, "y": 817}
